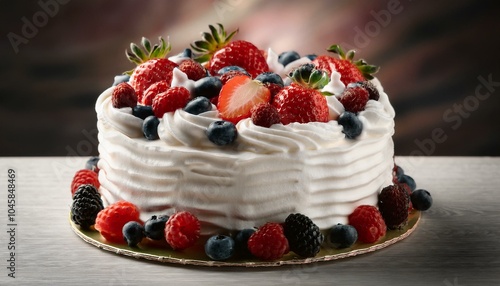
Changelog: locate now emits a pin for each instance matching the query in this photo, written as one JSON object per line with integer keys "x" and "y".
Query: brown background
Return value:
{"x": 434, "y": 61}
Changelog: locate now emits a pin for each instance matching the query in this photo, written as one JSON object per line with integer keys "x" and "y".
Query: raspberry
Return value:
{"x": 303, "y": 235}
{"x": 153, "y": 90}
{"x": 170, "y": 100}
{"x": 369, "y": 223}
{"x": 393, "y": 205}
{"x": 87, "y": 203}
{"x": 123, "y": 96}
{"x": 265, "y": 115}
{"x": 354, "y": 99}
{"x": 110, "y": 221}
{"x": 193, "y": 69}
{"x": 268, "y": 242}
{"x": 84, "y": 177}
{"x": 182, "y": 230}
{"x": 369, "y": 86}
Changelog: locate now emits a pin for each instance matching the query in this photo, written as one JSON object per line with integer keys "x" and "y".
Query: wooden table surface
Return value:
{"x": 456, "y": 243}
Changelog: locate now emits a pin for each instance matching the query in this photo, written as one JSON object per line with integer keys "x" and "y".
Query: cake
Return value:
{"x": 281, "y": 152}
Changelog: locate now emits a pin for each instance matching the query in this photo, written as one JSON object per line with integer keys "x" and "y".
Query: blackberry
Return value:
{"x": 87, "y": 203}
{"x": 304, "y": 237}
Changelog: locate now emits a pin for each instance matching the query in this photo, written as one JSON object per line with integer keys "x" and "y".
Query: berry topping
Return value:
{"x": 349, "y": 71}
{"x": 405, "y": 179}
{"x": 142, "y": 111}
{"x": 354, "y": 99}
{"x": 241, "y": 240}
{"x": 368, "y": 85}
{"x": 91, "y": 164}
{"x": 268, "y": 242}
{"x": 398, "y": 172}
{"x": 133, "y": 233}
{"x": 154, "y": 228}
{"x": 393, "y": 205}
{"x": 230, "y": 74}
{"x": 288, "y": 57}
{"x": 238, "y": 96}
{"x": 342, "y": 236}
{"x": 153, "y": 90}
{"x": 110, "y": 221}
{"x": 270, "y": 77}
{"x": 352, "y": 126}
{"x": 221, "y": 132}
{"x": 152, "y": 66}
{"x": 182, "y": 230}
{"x": 193, "y": 69}
{"x": 170, "y": 100}
{"x": 123, "y": 96}
{"x": 150, "y": 127}
{"x": 198, "y": 105}
{"x": 369, "y": 223}
{"x": 208, "y": 87}
{"x": 219, "y": 51}
{"x": 84, "y": 177}
{"x": 421, "y": 200}
{"x": 120, "y": 78}
{"x": 87, "y": 203}
{"x": 265, "y": 115}
{"x": 304, "y": 237}
{"x": 220, "y": 247}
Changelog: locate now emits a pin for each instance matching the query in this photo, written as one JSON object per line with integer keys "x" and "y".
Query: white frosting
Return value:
{"x": 277, "y": 67}
{"x": 264, "y": 176}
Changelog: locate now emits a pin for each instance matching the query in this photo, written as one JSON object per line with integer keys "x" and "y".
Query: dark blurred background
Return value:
{"x": 439, "y": 62}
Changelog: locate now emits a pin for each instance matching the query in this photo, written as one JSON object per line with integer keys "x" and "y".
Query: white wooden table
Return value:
{"x": 456, "y": 243}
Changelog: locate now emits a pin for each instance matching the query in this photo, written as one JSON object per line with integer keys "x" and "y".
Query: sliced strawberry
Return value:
{"x": 238, "y": 96}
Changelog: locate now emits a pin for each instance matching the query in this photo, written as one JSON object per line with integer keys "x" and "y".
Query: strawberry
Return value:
{"x": 350, "y": 71}
{"x": 218, "y": 51}
{"x": 238, "y": 96}
{"x": 354, "y": 99}
{"x": 170, "y": 100}
{"x": 193, "y": 69}
{"x": 152, "y": 66}
{"x": 301, "y": 101}
{"x": 230, "y": 74}
{"x": 153, "y": 90}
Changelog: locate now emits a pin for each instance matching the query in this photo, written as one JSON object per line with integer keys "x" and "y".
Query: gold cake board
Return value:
{"x": 161, "y": 252}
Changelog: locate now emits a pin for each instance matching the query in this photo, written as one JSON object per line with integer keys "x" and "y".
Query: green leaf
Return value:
{"x": 209, "y": 39}
{"x": 337, "y": 49}
{"x": 200, "y": 46}
{"x": 203, "y": 58}
{"x": 133, "y": 58}
{"x": 138, "y": 52}
{"x": 146, "y": 44}
{"x": 350, "y": 55}
{"x": 215, "y": 33}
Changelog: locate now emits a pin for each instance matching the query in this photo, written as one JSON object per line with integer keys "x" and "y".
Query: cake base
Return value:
{"x": 161, "y": 252}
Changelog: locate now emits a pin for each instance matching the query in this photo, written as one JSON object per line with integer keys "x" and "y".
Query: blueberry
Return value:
{"x": 208, "y": 87}
{"x": 241, "y": 239}
{"x": 219, "y": 247}
{"x": 399, "y": 173}
{"x": 222, "y": 132}
{"x": 198, "y": 105}
{"x": 421, "y": 200}
{"x": 120, "y": 78}
{"x": 405, "y": 179}
{"x": 312, "y": 57}
{"x": 150, "y": 127}
{"x": 91, "y": 163}
{"x": 231, "y": 68}
{"x": 270, "y": 77}
{"x": 343, "y": 236}
{"x": 187, "y": 53}
{"x": 133, "y": 232}
{"x": 142, "y": 111}
{"x": 154, "y": 227}
{"x": 288, "y": 57}
{"x": 351, "y": 123}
